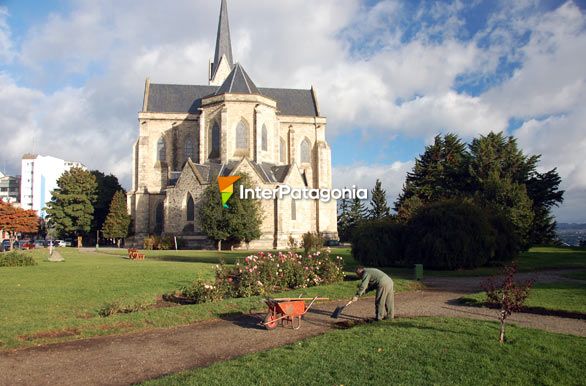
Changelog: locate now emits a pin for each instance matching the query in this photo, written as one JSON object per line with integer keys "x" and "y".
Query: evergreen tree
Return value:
{"x": 440, "y": 172}
{"x": 118, "y": 220}
{"x": 356, "y": 215}
{"x": 379, "y": 208}
{"x": 240, "y": 222}
{"x": 70, "y": 210}
{"x": 107, "y": 186}
{"x": 344, "y": 220}
{"x": 543, "y": 189}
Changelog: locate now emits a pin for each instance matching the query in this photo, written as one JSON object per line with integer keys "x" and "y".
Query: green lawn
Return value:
{"x": 420, "y": 351}
{"x": 54, "y": 302}
{"x": 570, "y": 297}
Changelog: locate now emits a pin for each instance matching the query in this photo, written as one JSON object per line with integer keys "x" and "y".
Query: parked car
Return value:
{"x": 6, "y": 244}
{"x": 26, "y": 244}
{"x": 68, "y": 242}
{"x": 39, "y": 243}
{"x": 59, "y": 243}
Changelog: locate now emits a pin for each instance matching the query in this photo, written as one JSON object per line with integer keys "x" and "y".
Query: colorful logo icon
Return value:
{"x": 226, "y": 185}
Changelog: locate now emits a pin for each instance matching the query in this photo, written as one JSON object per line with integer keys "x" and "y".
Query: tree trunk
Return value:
{"x": 219, "y": 245}
{"x": 502, "y": 333}
{"x": 118, "y": 242}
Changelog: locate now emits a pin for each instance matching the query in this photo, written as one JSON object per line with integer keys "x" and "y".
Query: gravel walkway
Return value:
{"x": 127, "y": 359}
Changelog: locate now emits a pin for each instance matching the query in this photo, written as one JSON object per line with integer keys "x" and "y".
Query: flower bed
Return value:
{"x": 264, "y": 273}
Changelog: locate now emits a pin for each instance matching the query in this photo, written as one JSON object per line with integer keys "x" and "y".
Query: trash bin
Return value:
{"x": 418, "y": 271}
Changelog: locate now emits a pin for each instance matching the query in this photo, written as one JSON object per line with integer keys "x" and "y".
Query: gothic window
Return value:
{"x": 283, "y": 151}
{"x": 241, "y": 136}
{"x": 190, "y": 208}
{"x": 293, "y": 210}
{"x": 189, "y": 150}
{"x": 161, "y": 151}
{"x": 159, "y": 218}
{"x": 214, "y": 141}
{"x": 305, "y": 150}
{"x": 264, "y": 139}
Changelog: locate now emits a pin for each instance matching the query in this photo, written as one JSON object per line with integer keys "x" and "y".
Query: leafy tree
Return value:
{"x": 107, "y": 186}
{"x": 379, "y": 207}
{"x": 240, "y": 222}
{"x": 70, "y": 210}
{"x": 16, "y": 220}
{"x": 118, "y": 220}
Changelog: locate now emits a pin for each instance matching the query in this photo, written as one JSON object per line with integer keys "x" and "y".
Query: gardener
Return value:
{"x": 373, "y": 278}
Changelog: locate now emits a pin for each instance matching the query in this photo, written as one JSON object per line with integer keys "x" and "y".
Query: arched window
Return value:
{"x": 161, "y": 151}
{"x": 189, "y": 150}
{"x": 159, "y": 218}
{"x": 190, "y": 208}
{"x": 283, "y": 151}
{"x": 305, "y": 150}
{"x": 241, "y": 136}
{"x": 214, "y": 142}
{"x": 293, "y": 209}
{"x": 264, "y": 138}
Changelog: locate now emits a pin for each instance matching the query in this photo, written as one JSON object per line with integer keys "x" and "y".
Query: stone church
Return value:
{"x": 190, "y": 134}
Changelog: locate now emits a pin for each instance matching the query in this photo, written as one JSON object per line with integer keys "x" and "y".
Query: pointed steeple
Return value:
{"x": 223, "y": 42}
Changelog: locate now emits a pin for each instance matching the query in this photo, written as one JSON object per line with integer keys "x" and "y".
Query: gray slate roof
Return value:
{"x": 237, "y": 82}
{"x": 269, "y": 173}
{"x": 175, "y": 98}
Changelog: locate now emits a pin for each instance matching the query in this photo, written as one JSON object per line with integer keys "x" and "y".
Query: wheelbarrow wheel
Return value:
{"x": 270, "y": 321}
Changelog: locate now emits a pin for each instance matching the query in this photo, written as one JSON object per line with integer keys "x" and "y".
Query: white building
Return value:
{"x": 9, "y": 188}
{"x": 39, "y": 175}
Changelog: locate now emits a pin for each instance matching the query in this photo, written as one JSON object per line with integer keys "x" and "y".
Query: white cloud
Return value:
{"x": 6, "y": 53}
{"x": 392, "y": 177}
{"x": 368, "y": 75}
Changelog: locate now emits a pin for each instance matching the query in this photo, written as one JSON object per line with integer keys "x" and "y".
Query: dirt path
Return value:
{"x": 127, "y": 359}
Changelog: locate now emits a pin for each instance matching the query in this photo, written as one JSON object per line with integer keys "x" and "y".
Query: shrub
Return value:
{"x": 16, "y": 259}
{"x": 507, "y": 245}
{"x": 160, "y": 243}
{"x": 262, "y": 274}
{"x": 378, "y": 243}
{"x": 312, "y": 242}
{"x": 450, "y": 234}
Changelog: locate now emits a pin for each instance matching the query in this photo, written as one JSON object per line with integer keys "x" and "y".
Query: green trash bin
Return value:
{"x": 418, "y": 271}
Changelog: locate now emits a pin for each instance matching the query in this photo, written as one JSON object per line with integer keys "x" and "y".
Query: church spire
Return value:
{"x": 223, "y": 42}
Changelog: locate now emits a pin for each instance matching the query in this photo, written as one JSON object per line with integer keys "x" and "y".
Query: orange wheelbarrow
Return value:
{"x": 287, "y": 310}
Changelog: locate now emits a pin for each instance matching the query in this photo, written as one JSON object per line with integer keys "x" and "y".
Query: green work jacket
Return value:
{"x": 373, "y": 279}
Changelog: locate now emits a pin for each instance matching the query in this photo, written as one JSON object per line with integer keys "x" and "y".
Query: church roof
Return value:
{"x": 237, "y": 82}
{"x": 175, "y": 98}
{"x": 268, "y": 172}
{"x": 223, "y": 41}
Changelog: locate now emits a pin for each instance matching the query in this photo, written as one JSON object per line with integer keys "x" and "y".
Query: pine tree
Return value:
{"x": 344, "y": 220}
{"x": 107, "y": 186}
{"x": 71, "y": 210}
{"x": 356, "y": 215}
{"x": 118, "y": 220}
{"x": 379, "y": 208}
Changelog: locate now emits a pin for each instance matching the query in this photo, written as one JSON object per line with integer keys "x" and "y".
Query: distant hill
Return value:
{"x": 565, "y": 225}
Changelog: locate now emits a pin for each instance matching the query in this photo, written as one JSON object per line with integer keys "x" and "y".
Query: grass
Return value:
{"x": 54, "y": 302}
{"x": 568, "y": 297}
{"x": 408, "y": 351}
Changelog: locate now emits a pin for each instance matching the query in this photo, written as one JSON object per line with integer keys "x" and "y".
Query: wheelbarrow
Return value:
{"x": 287, "y": 310}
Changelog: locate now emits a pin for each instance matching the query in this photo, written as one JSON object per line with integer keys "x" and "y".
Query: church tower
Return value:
{"x": 223, "y": 62}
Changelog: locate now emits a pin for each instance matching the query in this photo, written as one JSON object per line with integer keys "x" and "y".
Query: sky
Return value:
{"x": 389, "y": 74}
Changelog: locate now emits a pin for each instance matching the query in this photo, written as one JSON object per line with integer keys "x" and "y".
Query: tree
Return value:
{"x": 344, "y": 220}
{"x": 543, "y": 189}
{"x": 107, "y": 186}
{"x": 440, "y": 172}
{"x": 379, "y": 208}
{"x": 356, "y": 215}
{"x": 70, "y": 210}
{"x": 16, "y": 220}
{"x": 118, "y": 220}
{"x": 239, "y": 222}
{"x": 508, "y": 296}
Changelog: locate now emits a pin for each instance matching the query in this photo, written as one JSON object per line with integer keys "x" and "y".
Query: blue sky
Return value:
{"x": 390, "y": 75}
